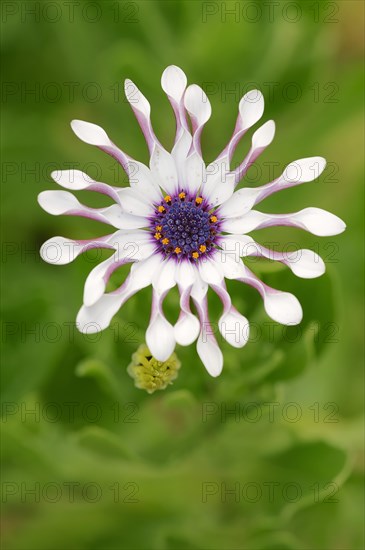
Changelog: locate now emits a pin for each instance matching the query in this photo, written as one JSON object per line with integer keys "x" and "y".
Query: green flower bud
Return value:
{"x": 150, "y": 374}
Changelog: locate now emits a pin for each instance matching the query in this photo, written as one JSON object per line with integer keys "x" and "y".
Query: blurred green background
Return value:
{"x": 269, "y": 455}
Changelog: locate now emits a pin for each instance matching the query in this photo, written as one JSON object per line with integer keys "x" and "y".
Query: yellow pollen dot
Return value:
{"x": 202, "y": 248}
{"x": 165, "y": 241}
{"x": 161, "y": 208}
{"x": 157, "y": 236}
{"x": 182, "y": 195}
{"x": 213, "y": 219}
{"x": 158, "y": 227}
{"x": 198, "y": 200}
{"x": 177, "y": 250}
{"x": 195, "y": 255}
{"x": 167, "y": 198}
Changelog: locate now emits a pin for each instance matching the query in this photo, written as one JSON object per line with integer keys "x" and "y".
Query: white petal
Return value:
{"x": 264, "y": 135}
{"x": 260, "y": 140}
{"x": 91, "y": 133}
{"x": 163, "y": 169}
{"x": 248, "y": 222}
{"x": 58, "y": 202}
{"x": 194, "y": 172}
{"x": 72, "y": 179}
{"x": 283, "y": 307}
{"x": 123, "y": 220}
{"x": 207, "y": 346}
{"x": 251, "y": 108}
{"x": 95, "y": 283}
{"x": 160, "y": 338}
{"x": 210, "y": 271}
{"x": 210, "y": 355}
{"x": 164, "y": 278}
{"x": 180, "y": 153}
{"x": 142, "y": 273}
{"x": 306, "y": 264}
{"x": 187, "y": 329}
{"x": 217, "y": 173}
{"x": 229, "y": 264}
{"x": 77, "y": 180}
{"x": 141, "y": 179}
{"x": 185, "y": 274}
{"x": 239, "y": 203}
{"x": 303, "y": 170}
{"x": 197, "y": 104}
{"x": 60, "y": 251}
{"x": 236, "y": 246}
{"x": 234, "y": 327}
{"x": 136, "y": 98}
{"x": 98, "y": 316}
{"x": 199, "y": 289}
{"x": 173, "y": 82}
{"x": 303, "y": 263}
{"x": 133, "y": 202}
{"x": 319, "y": 222}
{"x": 222, "y": 192}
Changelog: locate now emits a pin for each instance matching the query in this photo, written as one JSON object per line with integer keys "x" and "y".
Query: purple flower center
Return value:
{"x": 184, "y": 226}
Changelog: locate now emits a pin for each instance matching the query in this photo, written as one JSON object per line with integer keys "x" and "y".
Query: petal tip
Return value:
{"x": 90, "y": 133}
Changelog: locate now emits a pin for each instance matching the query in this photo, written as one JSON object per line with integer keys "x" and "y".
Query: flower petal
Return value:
{"x": 222, "y": 192}
{"x": 303, "y": 263}
{"x": 163, "y": 169}
{"x": 232, "y": 325}
{"x": 75, "y": 180}
{"x": 142, "y": 111}
{"x": 58, "y": 202}
{"x": 133, "y": 202}
{"x": 210, "y": 354}
{"x": 314, "y": 220}
{"x": 173, "y": 82}
{"x": 97, "y": 279}
{"x": 141, "y": 179}
{"x": 198, "y": 106}
{"x": 251, "y": 108}
{"x": 95, "y": 135}
{"x": 62, "y": 251}
{"x": 282, "y": 307}
{"x": 234, "y": 328}
{"x": 319, "y": 222}
{"x": 98, "y": 316}
{"x": 160, "y": 333}
{"x": 297, "y": 172}
{"x": 194, "y": 173}
{"x": 185, "y": 274}
{"x": 95, "y": 284}
{"x": 164, "y": 278}
{"x": 187, "y": 327}
{"x": 63, "y": 202}
{"x": 210, "y": 271}
{"x": 238, "y": 204}
{"x": 260, "y": 140}
{"x": 207, "y": 346}
{"x": 90, "y": 133}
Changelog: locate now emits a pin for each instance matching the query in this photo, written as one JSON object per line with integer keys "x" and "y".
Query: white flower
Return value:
{"x": 182, "y": 223}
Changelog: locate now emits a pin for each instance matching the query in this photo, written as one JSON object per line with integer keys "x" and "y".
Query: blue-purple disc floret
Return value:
{"x": 184, "y": 226}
